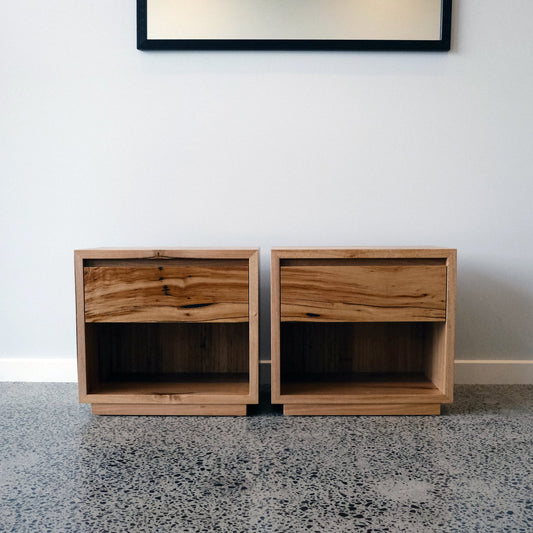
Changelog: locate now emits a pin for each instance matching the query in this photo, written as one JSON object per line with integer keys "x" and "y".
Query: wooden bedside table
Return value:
{"x": 363, "y": 330}
{"x": 167, "y": 332}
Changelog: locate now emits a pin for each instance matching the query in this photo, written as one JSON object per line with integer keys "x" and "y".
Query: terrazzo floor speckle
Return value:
{"x": 63, "y": 469}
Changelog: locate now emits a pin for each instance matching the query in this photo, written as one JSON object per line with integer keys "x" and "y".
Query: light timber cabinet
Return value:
{"x": 166, "y": 332}
{"x": 362, "y": 330}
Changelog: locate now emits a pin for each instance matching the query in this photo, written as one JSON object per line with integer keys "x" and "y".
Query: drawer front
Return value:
{"x": 354, "y": 293}
{"x": 173, "y": 293}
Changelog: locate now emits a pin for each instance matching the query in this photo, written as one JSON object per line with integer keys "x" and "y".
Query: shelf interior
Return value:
{"x": 359, "y": 358}
{"x": 359, "y": 385}
{"x": 214, "y": 383}
{"x": 169, "y": 358}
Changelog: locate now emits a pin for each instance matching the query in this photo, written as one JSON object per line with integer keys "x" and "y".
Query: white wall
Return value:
{"x": 103, "y": 145}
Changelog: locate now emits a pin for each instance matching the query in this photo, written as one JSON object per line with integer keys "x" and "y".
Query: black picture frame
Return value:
{"x": 441, "y": 45}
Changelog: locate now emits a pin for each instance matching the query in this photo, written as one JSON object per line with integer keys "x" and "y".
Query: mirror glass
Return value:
{"x": 294, "y": 19}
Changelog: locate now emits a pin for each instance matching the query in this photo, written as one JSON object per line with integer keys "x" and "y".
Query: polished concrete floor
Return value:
{"x": 62, "y": 469}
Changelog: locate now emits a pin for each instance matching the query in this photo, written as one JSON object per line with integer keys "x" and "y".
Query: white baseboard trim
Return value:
{"x": 467, "y": 371}
{"x": 49, "y": 369}
{"x": 493, "y": 372}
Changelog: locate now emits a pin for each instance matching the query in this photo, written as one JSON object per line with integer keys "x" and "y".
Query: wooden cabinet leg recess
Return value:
{"x": 362, "y": 331}
{"x": 167, "y": 332}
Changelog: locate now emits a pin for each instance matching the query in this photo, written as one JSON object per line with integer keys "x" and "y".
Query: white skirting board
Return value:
{"x": 493, "y": 372}
{"x": 46, "y": 369}
{"x": 467, "y": 371}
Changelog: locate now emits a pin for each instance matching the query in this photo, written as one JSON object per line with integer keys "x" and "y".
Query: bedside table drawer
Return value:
{"x": 348, "y": 292}
{"x": 167, "y": 291}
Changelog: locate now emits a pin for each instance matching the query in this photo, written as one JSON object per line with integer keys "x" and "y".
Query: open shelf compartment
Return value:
{"x": 359, "y": 362}
{"x": 160, "y": 360}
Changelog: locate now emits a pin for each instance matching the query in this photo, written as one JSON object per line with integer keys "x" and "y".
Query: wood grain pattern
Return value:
{"x": 166, "y": 294}
{"x": 253, "y": 327}
{"x": 168, "y": 410}
{"x": 141, "y": 263}
{"x": 373, "y": 262}
{"x": 435, "y": 362}
{"x": 325, "y": 348}
{"x": 360, "y": 389}
{"x": 440, "y": 363}
{"x": 167, "y": 348}
{"x": 84, "y": 367}
{"x": 363, "y": 293}
{"x": 275, "y": 323}
{"x": 395, "y": 360}
{"x": 168, "y": 331}
{"x": 165, "y": 253}
{"x": 449, "y": 337}
{"x": 368, "y": 409}
{"x": 362, "y": 252}
{"x": 167, "y": 384}
{"x": 175, "y": 390}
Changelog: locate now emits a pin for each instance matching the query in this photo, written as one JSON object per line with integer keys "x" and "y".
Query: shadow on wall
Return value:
{"x": 494, "y": 317}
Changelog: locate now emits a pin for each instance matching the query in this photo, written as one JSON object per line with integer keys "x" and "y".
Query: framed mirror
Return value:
{"x": 294, "y": 24}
